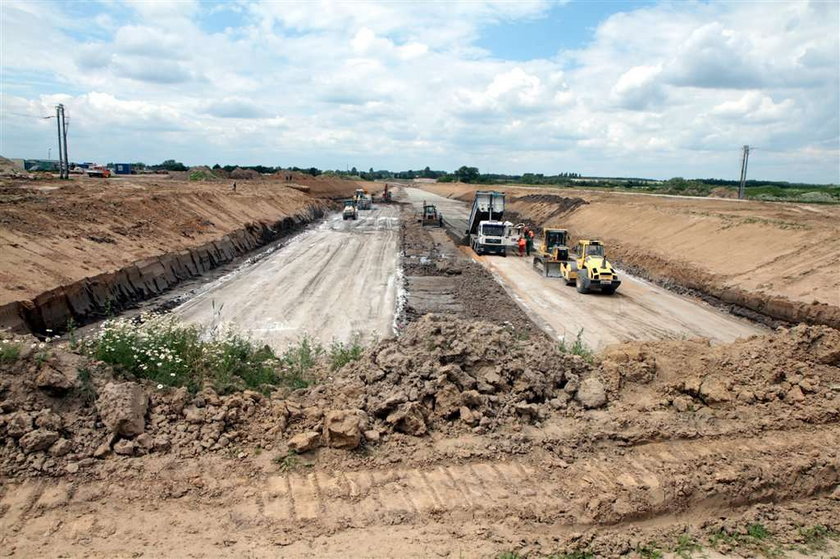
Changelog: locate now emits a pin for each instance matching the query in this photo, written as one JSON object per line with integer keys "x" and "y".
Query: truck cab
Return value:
{"x": 486, "y": 230}
{"x": 490, "y": 238}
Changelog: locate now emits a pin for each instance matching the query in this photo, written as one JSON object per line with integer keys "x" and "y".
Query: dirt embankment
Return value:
{"x": 71, "y": 249}
{"x": 455, "y": 422}
{"x": 775, "y": 259}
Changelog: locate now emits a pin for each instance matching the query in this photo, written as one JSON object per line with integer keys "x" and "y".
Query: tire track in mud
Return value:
{"x": 645, "y": 482}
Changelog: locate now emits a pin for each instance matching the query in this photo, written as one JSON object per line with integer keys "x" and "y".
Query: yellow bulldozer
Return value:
{"x": 592, "y": 270}
{"x": 552, "y": 253}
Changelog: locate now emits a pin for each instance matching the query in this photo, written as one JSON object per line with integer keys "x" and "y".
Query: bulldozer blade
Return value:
{"x": 552, "y": 270}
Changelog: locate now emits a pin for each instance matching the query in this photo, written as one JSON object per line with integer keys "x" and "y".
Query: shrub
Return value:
{"x": 340, "y": 353}
{"x": 297, "y": 361}
{"x": 578, "y": 347}
{"x": 161, "y": 349}
{"x": 9, "y": 351}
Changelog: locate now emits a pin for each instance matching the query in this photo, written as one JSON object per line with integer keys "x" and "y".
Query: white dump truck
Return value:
{"x": 486, "y": 228}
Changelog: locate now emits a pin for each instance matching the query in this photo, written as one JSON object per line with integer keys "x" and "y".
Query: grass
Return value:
{"x": 816, "y": 537}
{"x": 340, "y": 353}
{"x": 757, "y": 531}
{"x": 9, "y": 351}
{"x": 686, "y": 546}
{"x": 578, "y": 347}
{"x": 649, "y": 551}
{"x": 290, "y": 462}
{"x": 86, "y": 389}
{"x": 757, "y": 538}
{"x": 570, "y": 555}
{"x": 161, "y": 349}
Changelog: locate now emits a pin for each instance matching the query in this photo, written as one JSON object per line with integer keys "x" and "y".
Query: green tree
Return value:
{"x": 467, "y": 174}
{"x": 172, "y": 165}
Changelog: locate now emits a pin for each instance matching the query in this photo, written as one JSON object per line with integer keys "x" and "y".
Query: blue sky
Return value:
{"x": 561, "y": 27}
{"x": 635, "y": 88}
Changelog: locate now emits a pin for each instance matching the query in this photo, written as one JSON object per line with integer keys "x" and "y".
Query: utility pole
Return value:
{"x": 60, "y": 141}
{"x": 66, "y": 158}
{"x": 742, "y": 193}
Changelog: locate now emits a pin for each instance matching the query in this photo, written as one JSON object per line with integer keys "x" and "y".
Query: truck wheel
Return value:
{"x": 581, "y": 286}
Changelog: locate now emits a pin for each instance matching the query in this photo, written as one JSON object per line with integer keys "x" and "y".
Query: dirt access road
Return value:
{"x": 335, "y": 279}
{"x": 639, "y": 310}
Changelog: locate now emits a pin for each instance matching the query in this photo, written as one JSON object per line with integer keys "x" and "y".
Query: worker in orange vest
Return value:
{"x": 521, "y": 244}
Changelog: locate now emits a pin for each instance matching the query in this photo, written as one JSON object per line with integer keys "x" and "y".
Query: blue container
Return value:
{"x": 122, "y": 168}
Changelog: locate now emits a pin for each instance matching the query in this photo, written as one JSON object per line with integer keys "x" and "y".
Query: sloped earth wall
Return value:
{"x": 550, "y": 211}
{"x": 97, "y": 296}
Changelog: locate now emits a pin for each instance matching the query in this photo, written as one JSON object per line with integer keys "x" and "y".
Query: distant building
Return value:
{"x": 40, "y": 165}
{"x": 122, "y": 168}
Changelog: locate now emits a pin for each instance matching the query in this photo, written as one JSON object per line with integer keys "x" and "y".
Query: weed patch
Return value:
{"x": 686, "y": 546}
{"x": 816, "y": 537}
{"x": 163, "y": 350}
{"x": 578, "y": 347}
{"x": 9, "y": 351}
{"x": 340, "y": 353}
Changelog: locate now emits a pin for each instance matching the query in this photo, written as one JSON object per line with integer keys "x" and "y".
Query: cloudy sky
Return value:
{"x": 631, "y": 88}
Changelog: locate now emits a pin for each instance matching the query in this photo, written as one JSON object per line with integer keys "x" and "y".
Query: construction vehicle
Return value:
{"x": 485, "y": 228}
{"x": 386, "y": 194}
{"x": 552, "y": 253}
{"x": 350, "y": 211}
{"x": 362, "y": 199}
{"x": 431, "y": 216}
{"x": 592, "y": 269}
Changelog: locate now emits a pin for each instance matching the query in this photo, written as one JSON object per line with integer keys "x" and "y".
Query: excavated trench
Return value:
{"x": 101, "y": 295}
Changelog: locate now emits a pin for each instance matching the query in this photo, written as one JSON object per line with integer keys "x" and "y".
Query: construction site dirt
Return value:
{"x": 467, "y": 426}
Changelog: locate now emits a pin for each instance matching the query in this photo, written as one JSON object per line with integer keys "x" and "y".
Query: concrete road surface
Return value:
{"x": 331, "y": 281}
{"x": 639, "y": 310}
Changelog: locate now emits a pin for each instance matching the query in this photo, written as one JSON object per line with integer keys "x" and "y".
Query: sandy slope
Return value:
{"x": 54, "y": 233}
{"x": 783, "y": 249}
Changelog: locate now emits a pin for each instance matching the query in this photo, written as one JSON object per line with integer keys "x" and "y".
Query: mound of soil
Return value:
{"x": 447, "y": 374}
{"x": 61, "y": 412}
{"x": 796, "y": 367}
{"x": 244, "y": 174}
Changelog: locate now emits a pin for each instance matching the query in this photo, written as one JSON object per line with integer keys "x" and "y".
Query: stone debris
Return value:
{"x": 123, "y": 408}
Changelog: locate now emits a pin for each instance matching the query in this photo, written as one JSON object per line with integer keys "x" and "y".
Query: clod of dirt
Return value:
{"x": 39, "y": 439}
{"x": 303, "y": 442}
{"x": 19, "y": 424}
{"x": 343, "y": 428}
{"x": 53, "y": 382}
{"x": 123, "y": 408}
{"x": 591, "y": 393}
{"x": 124, "y": 448}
